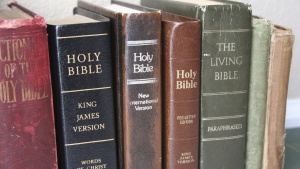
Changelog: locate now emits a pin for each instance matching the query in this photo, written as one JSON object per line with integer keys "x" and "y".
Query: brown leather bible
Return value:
{"x": 282, "y": 40}
{"x": 137, "y": 59}
{"x": 181, "y": 75}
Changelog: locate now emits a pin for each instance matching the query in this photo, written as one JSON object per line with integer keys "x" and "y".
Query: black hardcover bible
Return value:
{"x": 80, "y": 55}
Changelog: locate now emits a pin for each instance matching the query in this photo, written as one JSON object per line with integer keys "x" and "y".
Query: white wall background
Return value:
{"x": 50, "y": 9}
{"x": 286, "y": 13}
{"x": 283, "y": 12}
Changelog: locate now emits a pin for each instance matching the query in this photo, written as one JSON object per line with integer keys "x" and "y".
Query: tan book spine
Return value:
{"x": 282, "y": 40}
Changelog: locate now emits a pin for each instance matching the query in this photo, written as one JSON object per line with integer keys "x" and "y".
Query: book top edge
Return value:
{"x": 118, "y": 7}
{"x": 75, "y": 19}
{"x": 18, "y": 16}
{"x": 212, "y": 2}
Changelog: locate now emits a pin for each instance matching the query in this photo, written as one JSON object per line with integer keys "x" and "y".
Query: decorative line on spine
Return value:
{"x": 89, "y": 142}
{"x": 142, "y": 42}
{"x": 81, "y": 36}
{"x": 83, "y": 90}
{"x": 224, "y": 117}
{"x": 231, "y": 30}
{"x": 141, "y": 81}
{"x": 225, "y": 93}
{"x": 224, "y": 138}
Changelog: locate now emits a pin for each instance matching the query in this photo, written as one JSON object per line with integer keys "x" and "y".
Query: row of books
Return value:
{"x": 128, "y": 86}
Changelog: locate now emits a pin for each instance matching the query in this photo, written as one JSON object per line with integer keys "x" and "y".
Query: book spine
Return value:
{"x": 282, "y": 41}
{"x": 176, "y": 7}
{"x": 141, "y": 89}
{"x": 181, "y": 86}
{"x": 225, "y": 77}
{"x": 83, "y": 94}
{"x": 260, "y": 52}
{"x": 225, "y": 72}
{"x": 27, "y": 121}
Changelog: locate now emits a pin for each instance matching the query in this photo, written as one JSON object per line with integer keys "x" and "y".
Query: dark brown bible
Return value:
{"x": 181, "y": 78}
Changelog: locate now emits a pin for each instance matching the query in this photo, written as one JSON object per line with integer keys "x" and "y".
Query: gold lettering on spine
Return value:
{"x": 186, "y": 157}
{"x": 102, "y": 166}
{"x": 8, "y": 92}
{"x": 86, "y": 117}
{"x": 81, "y": 59}
{"x": 14, "y": 49}
{"x": 19, "y": 57}
{"x": 34, "y": 90}
{"x": 92, "y": 164}
{"x": 187, "y": 119}
{"x": 92, "y": 127}
{"x": 9, "y": 70}
{"x": 186, "y": 79}
{"x": 83, "y": 105}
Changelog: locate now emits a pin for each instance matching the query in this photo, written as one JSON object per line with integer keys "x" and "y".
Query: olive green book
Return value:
{"x": 261, "y": 36}
{"x": 225, "y": 74}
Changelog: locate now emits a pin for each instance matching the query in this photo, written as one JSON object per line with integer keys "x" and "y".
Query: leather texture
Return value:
{"x": 181, "y": 86}
{"x": 137, "y": 51}
{"x": 142, "y": 128}
{"x": 27, "y": 130}
{"x": 81, "y": 65}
